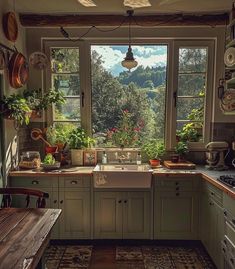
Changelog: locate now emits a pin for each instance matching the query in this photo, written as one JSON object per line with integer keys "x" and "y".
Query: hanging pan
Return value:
{"x": 18, "y": 70}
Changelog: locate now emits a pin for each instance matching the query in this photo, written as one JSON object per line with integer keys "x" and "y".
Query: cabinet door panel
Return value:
{"x": 75, "y": 218}
{"x": 176, "y": 215}
{"x": 136, "y": 215}
{"x": 108, "y": 215}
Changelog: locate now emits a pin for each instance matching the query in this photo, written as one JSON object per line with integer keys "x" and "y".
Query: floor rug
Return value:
{"x": 161, "y": 257}
{"x": 68, "y": 256}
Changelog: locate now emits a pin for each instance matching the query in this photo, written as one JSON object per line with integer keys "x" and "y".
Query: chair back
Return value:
{"x": 8, "y": 192}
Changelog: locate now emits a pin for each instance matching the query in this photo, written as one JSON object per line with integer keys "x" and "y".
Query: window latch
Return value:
{"x": 175, "y": 98}
{"x": 83, "y": 97}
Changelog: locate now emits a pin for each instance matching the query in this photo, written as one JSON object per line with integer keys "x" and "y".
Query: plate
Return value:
{"x": 49, "y": 167}
{"x": 10, "y": 27}
{"x": 229, "y": 57}
{"x": 38, "y": 60}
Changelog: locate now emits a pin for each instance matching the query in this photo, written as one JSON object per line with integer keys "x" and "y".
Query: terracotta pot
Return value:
{"x": 154, "y": 162}
{"x": 51, "y": 150}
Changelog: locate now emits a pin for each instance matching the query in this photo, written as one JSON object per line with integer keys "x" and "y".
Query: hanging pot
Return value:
{"x": 18, "y": 70}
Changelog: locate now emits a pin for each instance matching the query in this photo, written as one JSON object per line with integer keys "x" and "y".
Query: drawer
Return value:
{"x": 229, "y": 204}
{"x": 230, "y": 232}
{"x": 34, "y": 182}
{"x": 75, "y": 182}
{"x": 176, "y": 183}
{"x": 213, "y": 192}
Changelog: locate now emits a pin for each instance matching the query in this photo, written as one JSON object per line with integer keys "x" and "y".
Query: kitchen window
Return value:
{"x": 163, "y": 97}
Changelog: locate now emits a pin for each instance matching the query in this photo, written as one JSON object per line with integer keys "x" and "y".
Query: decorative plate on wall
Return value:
{"x": 38, "y": 60}
{"x": 10, "y": 26}
{"x": 229, "y": 57}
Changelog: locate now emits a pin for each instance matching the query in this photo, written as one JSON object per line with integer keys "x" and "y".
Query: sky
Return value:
{"x": 112, "y": 56}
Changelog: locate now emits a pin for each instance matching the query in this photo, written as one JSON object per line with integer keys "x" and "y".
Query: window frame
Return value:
{"x": 173, "y": 46}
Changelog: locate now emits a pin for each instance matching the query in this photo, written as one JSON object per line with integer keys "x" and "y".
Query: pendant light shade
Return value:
{"x": 129, "y": 61}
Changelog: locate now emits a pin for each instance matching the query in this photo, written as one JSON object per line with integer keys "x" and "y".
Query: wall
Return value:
{"x": 11, "y": 139}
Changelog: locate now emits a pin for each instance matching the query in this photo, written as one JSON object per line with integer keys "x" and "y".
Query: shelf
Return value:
{"x": 230, "y": 44}
{"x": 230, "y": 81}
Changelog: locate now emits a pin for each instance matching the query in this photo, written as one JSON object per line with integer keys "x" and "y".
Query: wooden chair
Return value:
{"x": 8, "y": 192}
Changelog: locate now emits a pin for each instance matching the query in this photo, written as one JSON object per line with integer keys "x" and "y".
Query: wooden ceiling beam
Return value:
{"x": 43, "y": 20}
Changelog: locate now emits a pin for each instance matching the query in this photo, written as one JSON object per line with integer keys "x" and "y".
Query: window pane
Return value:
{"x": 64, "y": 60}
{"x": 67, "y": 84}
{"x": 191, "y": 84}
{"x": 185, "y": 106}
{"x": 68, "y": 111}
{"x": 192, "y": 60}
{"x": 134, "y": 101}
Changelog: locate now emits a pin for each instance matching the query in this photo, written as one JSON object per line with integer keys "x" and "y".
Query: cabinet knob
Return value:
{"x": 225, "y": 213}
{"x": 176, "y": 183}
{"x": 35, "y": 182}
{"x": 225, "y": 242}
{"x": 212, "y": 193}
{"x": 61, "y": 201}
{"x": 211, "y": 203}
{"x": 177, "y": 188}
{"x": 233, "y": 221}
{"x": 125, "y": 201}
{"x": 119, "y": 201}
{"x": 232, "y": 261}
{"x": 55, "y": 201}
{"x": 74, "y": 182}
{"x": 224, "y": 250}
{"x": 177, "y": 194}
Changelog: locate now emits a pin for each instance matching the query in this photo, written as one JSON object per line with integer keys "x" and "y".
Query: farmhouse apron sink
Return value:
{"x": 122, "y": 176}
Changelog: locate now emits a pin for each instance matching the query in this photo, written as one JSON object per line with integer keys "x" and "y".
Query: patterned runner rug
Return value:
{"x": 66, "y": 256}
{"x": 159, "y": 257}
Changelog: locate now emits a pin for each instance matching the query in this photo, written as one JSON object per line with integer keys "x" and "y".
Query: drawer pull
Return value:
{"x": 233, "y": 221}
{"x": 74, "y": 182}
{"x": 176, "y": 183}
{"x": 225, "y": 242}
{"x": 35, "y": 182}
{"x": 119, "y": 201}
{"x": 224, "y": 250}
{"x": 55, "y": 201}
{"x": 232, "y": 261}
{"x": 177, "y": 194}
{"x": 211, "y": 203}
{"x": 177, "y": 188}
{"x": 125, "y": 201}
{"x": 225, "y": 213}
{"x": 61, "y": 201}
{"x": 212, "y": 193}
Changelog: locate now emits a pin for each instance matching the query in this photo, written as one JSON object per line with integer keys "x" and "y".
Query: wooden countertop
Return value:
{"x": 24, "y": 235}
{"x": 209, "y": 175}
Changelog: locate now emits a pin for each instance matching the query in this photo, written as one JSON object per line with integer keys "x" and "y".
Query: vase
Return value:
{"x": 77, "y": 156}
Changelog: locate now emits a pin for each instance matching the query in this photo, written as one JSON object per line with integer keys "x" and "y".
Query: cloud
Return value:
{"x": 145, "y": 55}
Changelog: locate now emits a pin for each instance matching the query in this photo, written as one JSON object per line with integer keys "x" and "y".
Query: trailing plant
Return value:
{"x": 154, "y": 149}
{"x": 16, "y": 107}
{"x": 78, "y": 139}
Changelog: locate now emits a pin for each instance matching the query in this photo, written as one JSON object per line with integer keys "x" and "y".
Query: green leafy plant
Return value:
{"x": 38, "y": 101}
{"x": 59, "y": 133}
{"x": 181, "y": 148}
{"x": 49, "y": 159}
{"x": 154, "y": 149}
{"x": 126, "y": 134}
{"x": 16, "y": 107}
{"x": 78, "y": 139}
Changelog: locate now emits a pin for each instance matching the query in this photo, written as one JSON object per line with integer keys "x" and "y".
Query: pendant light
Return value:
{"x": 129, "y": 61}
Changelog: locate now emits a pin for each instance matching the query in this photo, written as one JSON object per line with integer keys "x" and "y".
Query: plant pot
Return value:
{"x": 77, "y": 156}
{"x": 36, "y": 114}
{"x": 154, "y": 162}
{"x": 51, "y": 150}
{"x": 175, "y": 158}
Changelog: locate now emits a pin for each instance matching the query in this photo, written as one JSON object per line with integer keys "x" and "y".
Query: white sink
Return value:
{"x": 122, "y": 176}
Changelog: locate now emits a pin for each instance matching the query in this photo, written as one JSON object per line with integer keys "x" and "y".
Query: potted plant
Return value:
{"x": 154, "y": 149}
{"x": 78, "y": 141}
{"x": 38, "y": 101}
{"x": 180, "y": 149}
{"x": 15, "y": 107}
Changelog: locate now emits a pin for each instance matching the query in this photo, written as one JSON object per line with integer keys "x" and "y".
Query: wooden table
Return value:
{"x": 24, "y": 235}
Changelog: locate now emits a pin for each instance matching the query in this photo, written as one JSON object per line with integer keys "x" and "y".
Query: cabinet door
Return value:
{"x": 107, "y": 215}
{"x": 176, "y": 215}
{"x": 136, "y": 215}
{"x": 75, "y": 218}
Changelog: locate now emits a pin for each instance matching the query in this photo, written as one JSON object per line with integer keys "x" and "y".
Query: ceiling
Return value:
{"x": 117, "y": 7}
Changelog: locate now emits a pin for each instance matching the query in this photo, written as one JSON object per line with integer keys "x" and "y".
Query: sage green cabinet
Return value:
{"x": 176, "y": 206}
{"x": 122, "y": 215}
{"x": 175, "y": 215}
{"x": 212, "y": 221}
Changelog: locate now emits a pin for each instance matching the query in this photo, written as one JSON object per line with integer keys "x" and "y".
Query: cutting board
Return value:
{"x": 179, "y": 165}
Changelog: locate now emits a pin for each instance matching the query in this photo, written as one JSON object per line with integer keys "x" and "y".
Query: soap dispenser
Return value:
{"x": 104, "y": 158}
{"x": 138, "y": 158}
